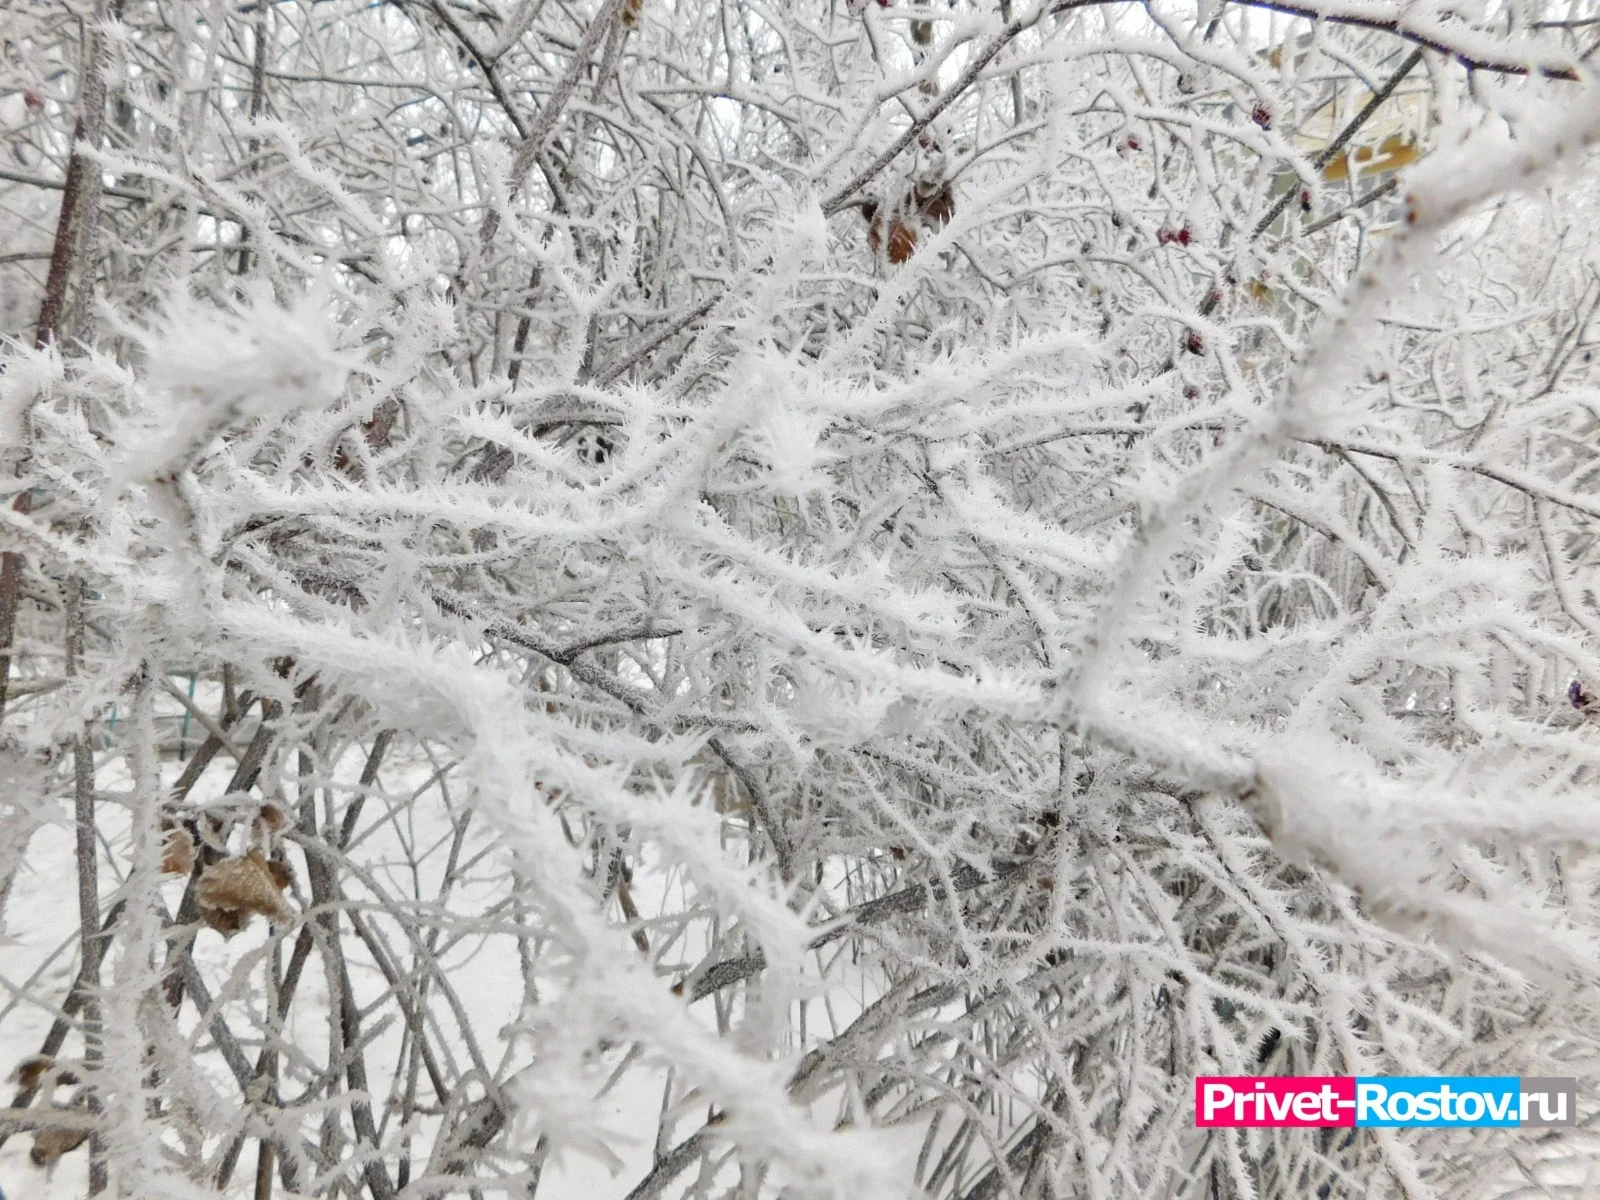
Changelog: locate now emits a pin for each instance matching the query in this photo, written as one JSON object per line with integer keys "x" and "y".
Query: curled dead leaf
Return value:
{"x": 37, "y": 1069}
{"x": 226, "y": 921}
{"x": 235, "y": 889}
{"x": 902, "y": 239}
{"x": 177, "y": 853}
{"x": 279, "y": 870}
{"x": 928, "y": 204}
{"x": 50, "y": 1144}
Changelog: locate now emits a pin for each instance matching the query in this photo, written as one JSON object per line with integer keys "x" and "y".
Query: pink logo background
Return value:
{"x": 1274, "y": 1102}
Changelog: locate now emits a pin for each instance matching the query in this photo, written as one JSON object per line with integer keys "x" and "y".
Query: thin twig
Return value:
{"x": 964, "y": 878}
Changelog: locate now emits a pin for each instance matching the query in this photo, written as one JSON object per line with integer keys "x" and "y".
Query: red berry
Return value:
{"x": 1194, "y": 343}
{"x": 1262, "y": 116}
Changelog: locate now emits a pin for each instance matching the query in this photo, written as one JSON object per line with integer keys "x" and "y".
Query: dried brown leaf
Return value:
{"x": 280, "y": 872}
{"x": 226, "y": 921}
{"x": 177, "y": 854}
{"x": 31, "y": 1070}
{"x": 234, "y": 889}
{"x": 50, "y": 1144}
